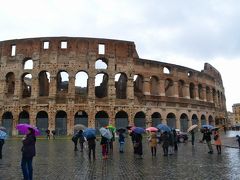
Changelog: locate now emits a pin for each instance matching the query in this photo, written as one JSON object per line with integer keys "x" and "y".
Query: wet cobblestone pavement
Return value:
{"x": 57, "y": 160}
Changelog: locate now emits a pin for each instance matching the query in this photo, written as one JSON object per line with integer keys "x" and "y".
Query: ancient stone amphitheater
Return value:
{"x": 56, "y": 82}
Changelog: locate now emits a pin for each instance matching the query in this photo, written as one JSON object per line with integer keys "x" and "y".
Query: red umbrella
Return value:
{"x": 152, "y": 129}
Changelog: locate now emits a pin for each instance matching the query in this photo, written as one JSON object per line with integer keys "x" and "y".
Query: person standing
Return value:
{"x": 218, "y": 142}
{"x": 48, "y": 133}
{"x": 207, "y": 136}
{"x": 75, "y": 141}
{"x": 138, "y": 145}
{"x": 133, "y": 135}
{"x": 193, "y": 136}
{"x": 91, "y": 147}
{"x": 153, "y": 143}
{"x": 104, "y": 143}
{"x": 121, "y": 141}
{"x": 238, "y": 140}
{"x": 28, "y": 152}
{"x": 81, "y": 139}
{"x": 165, "y": 141}
{"x": 1, "y": 146}
{"x": 171, "y": 143}
{"x": 175, "y": 140}
{"x": 53, "y": 133}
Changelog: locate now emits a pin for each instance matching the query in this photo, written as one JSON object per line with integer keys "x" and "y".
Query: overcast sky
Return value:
{"x": 184, "y": 32}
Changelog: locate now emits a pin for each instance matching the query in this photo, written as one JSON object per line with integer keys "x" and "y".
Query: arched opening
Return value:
{"x": 171, "y": 120}
{"x": 23, "y": 118}
{"x": 180, "y": 88}
{"x": 44, "y": 82}
{"x": 101, "y": 119}
{"x": 61, "y": 123}
{"x": 154, "y": 87}
{"x": 42, "y": 122}
{"x": 166, "y": 70}
{"x": 62, "y": 82}
{"x": 28, "y": 64}
{"x": 210, "y": 120}
{"x": 194, "y": 119}
{"x": 26, "y": 85}
{"x": 183, "y": 122}
{"x": 121, "y": 85}
{"x": 189, "y": 74}
{"x": 203, "y": 120}
{"x": 81, "y": 117}
{"x": 208, "y": 96}
{"x": 218, "y": 98}
{"x": 191, "y": 90}
{"x": 10, "y": 83}
{"x": 214, "y": 95}
{"x": 121, "y": 119}
{"x": 101, "y": 64}
{"x": 169, "y": 87}
{"x": 156, "y": 119}
{"x": 81, "y": 83}
{"x": 101, "y": 85}
{"x": 7, "y": 122}
{"x": 200, "y": 92}
{"x": 138, "y": 84}
{"x": 140, "y": 119}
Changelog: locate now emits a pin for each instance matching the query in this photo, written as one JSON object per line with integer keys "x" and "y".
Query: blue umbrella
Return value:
{"x": 164, "y": 127}
{"x": 138, "y": 130}
{"x": 208, "y": 126}
{"x": 3, "y": 135}
{"x": 89, "y": 133}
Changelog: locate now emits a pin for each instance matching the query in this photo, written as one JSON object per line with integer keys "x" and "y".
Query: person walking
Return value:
{"x": 153, "y": 143}
{"x": 192, "y": 137}
{"x": 138, "y": 145}
{"x": 104, "y": 143}
{"x": 53, "y": 134}
{"x": 133, "y": 135}
{"x": 1, "y": 146}
{"x": 75, "y": 141}
{"x": 121, "y": 141}
{"x": 81, "y": 139}
{"x": 91, "y": 147}
{"x": 171, "y": 143}
{"x": 207, "y": 136}
{"x": 28, "y": 152}
{"x": 217, "y": 142}
{"x": 175, "y": 140}
{"x": 48, "y": 133}
{"x": 165, "y": 141}
{"x": 238, "y": 140}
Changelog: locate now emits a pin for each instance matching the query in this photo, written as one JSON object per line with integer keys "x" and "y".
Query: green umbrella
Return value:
{"x": 111, "y": 128}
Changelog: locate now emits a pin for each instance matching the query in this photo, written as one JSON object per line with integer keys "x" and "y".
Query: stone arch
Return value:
{"x": 26, "y": 85}
{"x": 194, "y": 119}
{"x": 181, "y": 88}
{"x": 156, "y": 119}
{"x": 81, "y": 83}
{"x": 62, "y": 81}
{"x": 183, "y": 122}
{"x": 44, "y": 83}
{"x": 42, "y": 121}
{"x": 169, "y": 91}
{"x": 7, "y": 122}
{"x": 191, "y": 90}
{"x": 23, "y": 117}
{"x": 214, "y": 95}
{"x": 101, "y": 85}
{"x": 101, "y": 63}
{"x": 138, "y": 84}
{"x": 121, "y": 119}
{"x": 81, "y": 117}
{"x": 200, "y": 91}
{"x": 61, "y": 123}
{"x": 210, "y": 120}
{"x": 121, "y": 85}
{"x": 203, "y": 120}
{"x": 10, "y": 83}
{"x": 27, "y": 63}
{"x": 140, "y": 119}
{"x": 171, "y": 120}
{"x": 101, "y": 119}
{"x": 154, "y": 85}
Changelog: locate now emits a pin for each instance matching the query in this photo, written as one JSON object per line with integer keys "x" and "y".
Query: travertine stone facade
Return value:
{"x": 132, "y": 91}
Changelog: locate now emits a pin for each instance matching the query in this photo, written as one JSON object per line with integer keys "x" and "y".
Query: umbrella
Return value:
{"x": 111, "y": 128}
{"x": 152, "y": 129}
{"x": 79, "y": 127}
{"x": 105, "y": 133}
{"x": 3, "y": 135}
{"x": 89, "y": 133}
{"x": 2, "y": 128}
{"x": 164, "y": 127}
{"x": 23, "y": 128}
{"x": 208, "y": 126}
{"x": 129, "y": 127}
{"x": 138, "y": 130}
{"x": 192, "y": 127}
{"x": 121, "y": 130}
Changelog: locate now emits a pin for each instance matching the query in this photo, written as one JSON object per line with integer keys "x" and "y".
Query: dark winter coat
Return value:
{"x": 207, "y": 136}
{"x": 104, "y": 140}
{"x": 121, "y": 138}
{"x": 1, "y": 141}
{"x": 28, "y": 148}
{"x": 91, "y": 142}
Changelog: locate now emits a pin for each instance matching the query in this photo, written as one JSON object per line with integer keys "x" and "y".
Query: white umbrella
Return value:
{"x": 105, "y": 133}
{"x": 192, "y": 127}
{"x": 79, "y": 127}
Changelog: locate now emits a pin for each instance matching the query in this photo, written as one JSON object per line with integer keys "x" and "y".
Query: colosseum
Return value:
{"x": 56, "y": 82}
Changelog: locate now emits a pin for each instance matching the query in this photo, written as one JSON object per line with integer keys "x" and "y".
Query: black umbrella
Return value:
{"x": 121, "y": 130}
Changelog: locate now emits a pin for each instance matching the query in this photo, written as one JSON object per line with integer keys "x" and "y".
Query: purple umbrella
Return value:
{"x": 23, "y": 128}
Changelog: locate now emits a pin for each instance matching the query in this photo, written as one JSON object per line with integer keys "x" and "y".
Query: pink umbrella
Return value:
{"x": 23, "y": 128}
{"x": 152, "y": 129}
